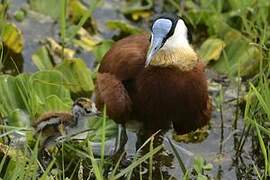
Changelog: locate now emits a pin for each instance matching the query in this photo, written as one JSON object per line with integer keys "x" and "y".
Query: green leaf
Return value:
{"x": 100, "y": 50}
{"x": 198, "y": 164}
{"x": 41, "y": 59}
{"x": 26, "y": 92}
{"x": 211, "y": 49}
{"x": 33, "y": 94}
{"x": 123, "y": 27}
{"x": 77, "y": 10}
{"x": 19, "y": 118}
{"x": 12, "y": 37}
{"x": 14, "y": 169}
{"x": 9, "y": 99}
{"x": 208, "y": 167}
{"x": 111, "y": 129}
{"x": 54, "y": 104}
{"x": 20, "y": 15}
{"x": 202, "y": 177}
{"x": 48, "y": 7}
{"x": 77, "y": 76}
{"x": 47, "y": 83}
{"x": 239, "y": 56}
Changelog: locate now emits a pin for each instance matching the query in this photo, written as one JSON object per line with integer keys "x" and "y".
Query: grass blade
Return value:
{"x": 181, "y": 163}
{"x": 138, "y": 162}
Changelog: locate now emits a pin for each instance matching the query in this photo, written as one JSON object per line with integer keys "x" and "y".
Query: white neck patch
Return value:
{"x": 179, "y": 38}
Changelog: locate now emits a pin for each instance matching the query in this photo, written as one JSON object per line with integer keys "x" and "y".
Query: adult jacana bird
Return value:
{"x": 156, "y": 79}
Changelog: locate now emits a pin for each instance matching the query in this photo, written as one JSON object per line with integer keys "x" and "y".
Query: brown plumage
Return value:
{"x": 51, "y": 125}
{"x": 53, "y": 120}
{"x": 157, "y": 95}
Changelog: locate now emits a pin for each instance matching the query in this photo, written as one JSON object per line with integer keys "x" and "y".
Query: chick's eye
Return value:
{"x": 88, "y": 110}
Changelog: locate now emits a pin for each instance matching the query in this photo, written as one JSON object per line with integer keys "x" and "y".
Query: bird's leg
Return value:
{"x": 130, "y": 146}
{"x": 61, "y": 129}
{"x": 129, "y": 139}
{"x": 44, "y": 155}
{"x": 121, "y": 140}
{"x": 127, "y": 145}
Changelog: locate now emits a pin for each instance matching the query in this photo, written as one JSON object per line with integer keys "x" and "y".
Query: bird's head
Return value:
{"x": 84, "y": 107}
{"x": 168, "y": 33}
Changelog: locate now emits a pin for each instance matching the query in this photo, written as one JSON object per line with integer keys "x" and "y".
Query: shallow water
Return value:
{"x": 218, "y": 148}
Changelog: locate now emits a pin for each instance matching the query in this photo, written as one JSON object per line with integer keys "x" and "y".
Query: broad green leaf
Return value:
{"x": 76, "y": 10}
{"x": 33, "y": 94}
{"x": 100, "y": 50}
{"x": 48, "y": 7}
{"x": 28, "y": 94}
{"x": 19, "y": 118}
{"x": 47, "y": 83}
{"x": 123, "y": 27}
{"x": 198, "y": 164}
{"x": 211, "y": 49}
{"x": 12, "y": 38}
{"x": 82, "y": 16}
{"x": 111, "y": 128}
{"x": 217, "y": 25}
{"x": 77, "y": 76}
{"x": 14, "y": 169}
{"x": 201, "y": 177}
{"x": 41, "y": 59}
{"x": 238, "y": 55}
{"x": 208, "y": 167}
{"x": 9, "y": 98}
{"x": 55, "y": 104}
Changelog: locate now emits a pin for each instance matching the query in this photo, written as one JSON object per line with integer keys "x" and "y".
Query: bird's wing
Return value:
{"x": 111, "y": 92}
{"x": 126, "y": 57}
{"x": 121, "y": 64}
{"x": 52, "y": 119}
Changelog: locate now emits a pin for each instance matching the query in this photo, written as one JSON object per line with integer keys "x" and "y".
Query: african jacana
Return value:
{"x": 157, "y": 80}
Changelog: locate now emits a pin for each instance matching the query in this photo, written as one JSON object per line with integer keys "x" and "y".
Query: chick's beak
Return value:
{"x": 156, "y": 44}
{"x": 97, "y": 113}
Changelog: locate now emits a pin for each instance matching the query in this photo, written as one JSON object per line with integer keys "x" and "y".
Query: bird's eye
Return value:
{"x": 88, "y": 110}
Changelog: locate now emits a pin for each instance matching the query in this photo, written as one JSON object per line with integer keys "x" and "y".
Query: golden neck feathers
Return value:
{"x": 185, "y": 58}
